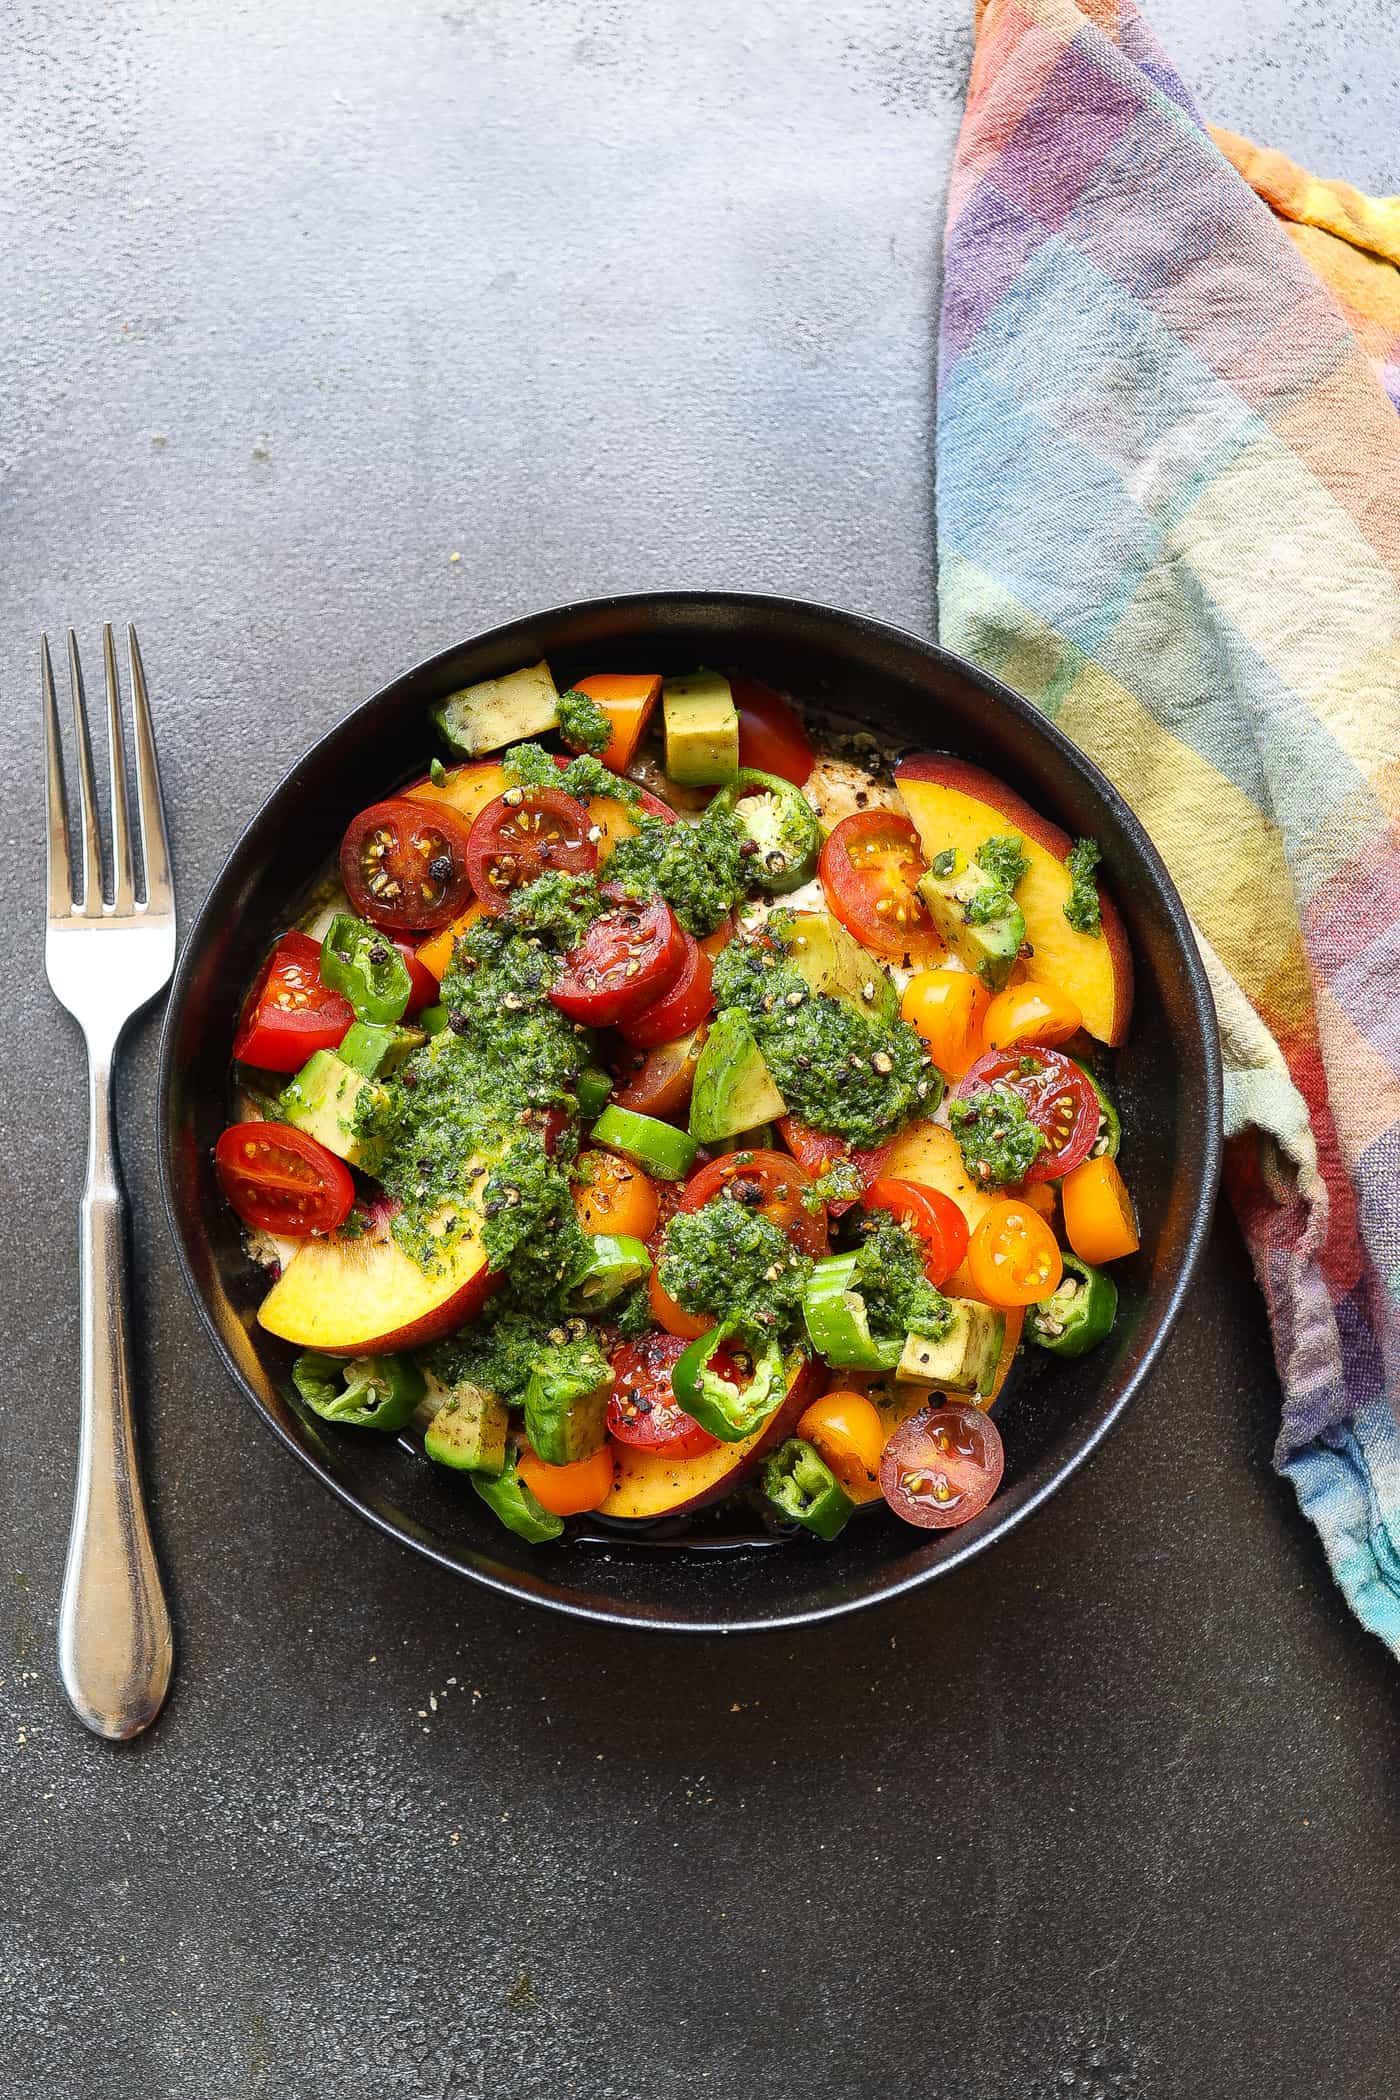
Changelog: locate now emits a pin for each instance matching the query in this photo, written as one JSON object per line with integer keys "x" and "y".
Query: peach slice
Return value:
{"x": 649, "y": 1484}
{"x": 362, "y": 1296}
{"x": 954, "y": 804}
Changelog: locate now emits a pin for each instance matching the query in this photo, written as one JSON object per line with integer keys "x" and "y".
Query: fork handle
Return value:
{"x": 114, "y": 1642}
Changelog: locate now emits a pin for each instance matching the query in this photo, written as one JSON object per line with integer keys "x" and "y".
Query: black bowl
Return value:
{"x": 913, "y": 695}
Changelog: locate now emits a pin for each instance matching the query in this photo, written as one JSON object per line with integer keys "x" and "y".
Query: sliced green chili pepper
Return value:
{"x": 729, "y": 1411}
{"x": 433, "y": 1020}
{"x": 1110, "y": 1132}
{"x": 1079, "y": 1315}
{"x": 781, "y": 832}
{"x": 377, "y": 1048}
{"x": 659, "y": 1147}
{"x": 838, "y": 1321}
{"x": 801, "y": 1485}
{"x": 594, "y": 1091}
{"x": 369, "y": 1392}
{"x": 611, "y": 1263}
{"x": 365, "y": 966}
{"x": 566, "y": 1403}
{"x": 518, "y": 1508}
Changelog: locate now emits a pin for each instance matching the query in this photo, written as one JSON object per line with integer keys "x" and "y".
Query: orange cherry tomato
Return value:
{"x": 613, "y": 1195}
{"x": 1030, "y": 1013}
{"x": 436, "y": 952}
{"x": 1041, "y": 1197}
{"x": 1013, "y": 1258}
{"x": 674, "y": 1318}
{"x": 1100, "y": 1223}
{"x": 627, "y": 699}
{"x": 566, "y": 1491}
{"x": 847, "y": 1431}
{"x": 947, "y": 1007}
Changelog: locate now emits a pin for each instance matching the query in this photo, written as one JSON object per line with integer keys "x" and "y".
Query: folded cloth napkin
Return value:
{"x": 1169, "y": 513}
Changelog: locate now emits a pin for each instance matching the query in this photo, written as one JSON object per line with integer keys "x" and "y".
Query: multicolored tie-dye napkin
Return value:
{"x": 1169, "y": 512}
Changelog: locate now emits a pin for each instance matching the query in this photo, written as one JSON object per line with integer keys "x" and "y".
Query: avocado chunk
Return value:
{"x": 975, "y": 914}
{"x": 833, "y": 961}
{"x": 734, "y": 1089}
{"x": 499, "y": 711}
{"x": 966, "y": 1359}
{"x": 468, "y": 1432}
{"x": 377, "y": 1048}
{"x": 335, "y": 1104}
{"x": 702, "y": 729}
{"x": 566, "y": 1405}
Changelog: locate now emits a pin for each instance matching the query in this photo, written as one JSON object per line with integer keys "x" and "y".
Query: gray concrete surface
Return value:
{"x": 301, "y": 302}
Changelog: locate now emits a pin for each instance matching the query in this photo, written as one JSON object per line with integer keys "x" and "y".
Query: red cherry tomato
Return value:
{"x": 523, "y": 834}
{"x": 816, "y": 1150}
{"x": 644, "y": 1411}
{"x": 280, "y": 1180}
{"x": 289, "y": 1013}
{"x": 868, "y": 867}
{"x": 625, "y": 961}
{"x": 771, "y": 738}
{"x": 1059, "y": 1098}
{"x": 768, "y": 1182}
{"x": 683, "y": 1007}
{"x": 404, "y": 865}
{"x": 659, "y": 1084}
{"x": 935, "y": 1219}
{"x": 942, "y": 1467}
{"x": 423, "y": 987}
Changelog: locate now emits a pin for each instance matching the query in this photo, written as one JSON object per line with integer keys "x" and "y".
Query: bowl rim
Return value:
{"x": 599, "y": 1610}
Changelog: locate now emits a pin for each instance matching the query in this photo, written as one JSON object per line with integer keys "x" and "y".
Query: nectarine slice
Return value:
{"x": 352, "y": 1297}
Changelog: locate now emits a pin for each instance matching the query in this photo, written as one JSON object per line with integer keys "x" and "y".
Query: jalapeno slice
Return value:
{"x": 782, "y": 834}
{"x": 365, "y": 967}
{"x": 802, "y": 1487}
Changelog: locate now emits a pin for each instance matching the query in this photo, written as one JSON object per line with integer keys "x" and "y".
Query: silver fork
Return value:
{"x": 105, "y": 961}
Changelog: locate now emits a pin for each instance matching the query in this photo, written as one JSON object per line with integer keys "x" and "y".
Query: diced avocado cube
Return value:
{"x": 499, "y": 711}
{"x": 566, "y": 1419}
{"x": 966, "y": 1359}
{"x": 702, "y": 729}
{"x": 468, "y": 1432}
{"x": 975, "y": 915}
{"x": 377, "y": 1048}
{"x": 335, "y": 1104}
{"x": 833, "y": 961}
{"x": 734, "y": 1089}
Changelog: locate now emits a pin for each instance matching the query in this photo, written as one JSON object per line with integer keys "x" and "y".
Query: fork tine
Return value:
{"x": 123, "y": 887}
{"x": 155, "y": 847}
{"x": 60, "y": 866}
{"x": 90, "y": 900}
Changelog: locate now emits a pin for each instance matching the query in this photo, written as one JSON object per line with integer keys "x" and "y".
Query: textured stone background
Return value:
{"x": 299, "y": 302}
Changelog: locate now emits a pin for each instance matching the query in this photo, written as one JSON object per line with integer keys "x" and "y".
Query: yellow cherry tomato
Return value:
{"x": 1013, "y": 1258}
{"x": 613, "y": 1195}
{"x": 1030, "y": 1013}
{"x": 947, "y": 1008}
{"x": 566, "y": 1491}
{"x": 847, "y": 1431}
{"x": 1099, "y": 1221}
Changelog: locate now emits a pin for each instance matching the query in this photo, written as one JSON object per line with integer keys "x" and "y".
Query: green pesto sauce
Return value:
{"x": 698, "y": 868}
{"x": 530, "y": 765}
{"x": 1083, "y": 909}
{"x": 582, "y": 723}
{"x": 728, "y": 1261}
{"x": 841, "y": 1070}
{"x": 899, "y": 1299}
{"x": 558, "y": 906}
{"x": 502, "y": 1347}
{"x": 998, "y": 1141}
{"x": 1003, "y": 858}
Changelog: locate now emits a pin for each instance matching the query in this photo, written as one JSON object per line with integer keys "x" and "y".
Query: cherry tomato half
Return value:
{"x": 1013, "y": 1257}
{"x": 612, "y": 1194}
{"x": 1100, "y": 1223}
{"x": 627, "y": 960}
{"x": 947, "y": 1008}
{"x": 280, "y": 1180}
{"x": 422, "y": 985}
{"x": 404, "y": 865}
{"x": 668, "y": 1314}
{"x": 868, "y": 867}
{"x": 1059, "y": 1099}
{"x": 644, "y": 1411}
{"x": 1031, "y": 1012}
{"x": 680, "y": 1008}
{"x": 523, "y": 834}
{"x": 567, "y": 1491}
{"x": 289, "y": 1013}
{"x": 936, "y": 1221}
{"x": 816, "y": 1150}
{"x": 768, "y": 1182}
{"x": 771, "y": 738}
{"x": 847, "y": 1430}
{"x": 942, "y": 1467}
{"x": 660, "y": 1084}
